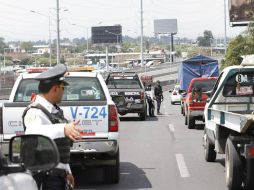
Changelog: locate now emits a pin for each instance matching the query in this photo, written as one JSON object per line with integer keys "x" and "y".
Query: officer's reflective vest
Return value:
{"x": 63, "y": 144}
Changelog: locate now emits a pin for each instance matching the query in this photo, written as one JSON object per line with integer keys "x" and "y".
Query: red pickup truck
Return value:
{"x": 195, "y": 100}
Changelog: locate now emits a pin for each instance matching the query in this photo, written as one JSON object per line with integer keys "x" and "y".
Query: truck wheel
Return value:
{"x": 190, "y": 122}
{"x": 233, "y": 167}
{"x": 111, "y": 174}
{"x": 184, "y": 113}
{"x": 151, "y": 114}
{"x": 249, "y": 182}
{"x": 210, "y": 154}
{"x": 142, "y": 116}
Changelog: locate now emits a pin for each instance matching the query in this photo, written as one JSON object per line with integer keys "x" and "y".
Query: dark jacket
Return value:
{"x": 158, "y": 90}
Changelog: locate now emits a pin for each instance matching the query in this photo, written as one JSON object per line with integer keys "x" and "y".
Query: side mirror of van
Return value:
{"x": 35, "y": 152}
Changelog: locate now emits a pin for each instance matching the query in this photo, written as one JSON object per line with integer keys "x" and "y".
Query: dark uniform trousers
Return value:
{"x": 53, "y": 183}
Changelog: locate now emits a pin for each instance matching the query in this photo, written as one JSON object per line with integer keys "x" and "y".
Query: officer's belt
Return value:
{"x": 57, "y": 172}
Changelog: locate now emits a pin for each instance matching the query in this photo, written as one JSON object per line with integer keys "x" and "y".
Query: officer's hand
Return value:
{"x": 72, "y": 131}
{"x": 71, "y": 180}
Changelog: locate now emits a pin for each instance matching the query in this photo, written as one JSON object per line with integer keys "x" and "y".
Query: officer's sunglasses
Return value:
{"x": 62, "y": 86}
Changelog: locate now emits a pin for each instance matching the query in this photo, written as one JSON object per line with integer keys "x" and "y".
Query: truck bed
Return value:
{"x": 238, "y": 121}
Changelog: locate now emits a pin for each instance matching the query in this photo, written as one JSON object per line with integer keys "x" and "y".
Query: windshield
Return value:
{"x": 240, "y": 84}
{"x": 204, "y": 85}
{"x": 79, "y": 89}
{"x": 123, "y": 83}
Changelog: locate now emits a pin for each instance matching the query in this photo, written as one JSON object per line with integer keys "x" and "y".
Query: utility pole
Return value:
{"x": 50, "y": 53}
{"x": 141, "y": 37}
{"x": 87, "y": 40}
{"x": 225, "y": 27}
{"x": 58, "y": 32}
{"x": 50, "y": 50}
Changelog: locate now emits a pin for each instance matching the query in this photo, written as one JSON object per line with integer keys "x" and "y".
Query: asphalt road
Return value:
{"x": 162, "y": 154}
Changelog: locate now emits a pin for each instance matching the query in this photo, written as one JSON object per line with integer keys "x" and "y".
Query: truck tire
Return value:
{"x": 210, "y": 154}
{"x": 111, "y": 174}
{"x": 233, "y": 167}
{"x": 151, "y": 114}
{"x": 249, "y": 173}
{"x": 190, "y": 122}
{"x": 184, "y": 113}
{"x": 142, "y": 116}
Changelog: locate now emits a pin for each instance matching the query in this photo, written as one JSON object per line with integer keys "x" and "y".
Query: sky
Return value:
{"x": 78, "y": 16}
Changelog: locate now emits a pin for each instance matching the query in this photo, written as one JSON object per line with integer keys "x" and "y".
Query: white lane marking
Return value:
{"x": 182, "y": 166}
{"x": 171, "y": 128}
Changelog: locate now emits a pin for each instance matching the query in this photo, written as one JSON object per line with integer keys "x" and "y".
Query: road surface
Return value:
{"x": 162, "y": 154}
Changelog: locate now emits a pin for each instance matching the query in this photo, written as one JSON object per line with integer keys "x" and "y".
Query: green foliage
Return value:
{"x": 206, "y": 39}
{"x": 241, "y": 45}
{"x": 2, "y": 45}
{"x": 28, "y": 46}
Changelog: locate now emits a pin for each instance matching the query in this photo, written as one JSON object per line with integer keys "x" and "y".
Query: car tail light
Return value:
{"x": 142, "y": 95}
{"x": 113, "y": 119}
{"x": 174, "y": 93}
{"x": 251, "y": 151}
{"x": 1, "y": 120}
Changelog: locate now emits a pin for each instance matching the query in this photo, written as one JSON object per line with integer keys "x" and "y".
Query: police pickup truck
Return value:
{"x": 86, "y": 99}
{"x": 128, "y": 92}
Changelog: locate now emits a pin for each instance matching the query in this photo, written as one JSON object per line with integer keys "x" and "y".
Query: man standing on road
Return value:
{"x": 158, "y": 95}
{"x": 44, "y": 117}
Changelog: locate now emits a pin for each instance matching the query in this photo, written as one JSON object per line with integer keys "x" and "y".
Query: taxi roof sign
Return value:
{"x": 248, "y": 60}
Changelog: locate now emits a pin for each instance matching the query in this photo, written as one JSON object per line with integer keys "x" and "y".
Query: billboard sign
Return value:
{"x": 107, "y": 34}
{"x": 241, "y": 12}
{"x": 165, "y": 26}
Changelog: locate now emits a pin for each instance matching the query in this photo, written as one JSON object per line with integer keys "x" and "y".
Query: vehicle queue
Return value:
{"x": 232, "y": 166}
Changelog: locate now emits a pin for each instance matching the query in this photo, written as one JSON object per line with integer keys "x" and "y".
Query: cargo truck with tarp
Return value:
{"x": 195, "y": 67}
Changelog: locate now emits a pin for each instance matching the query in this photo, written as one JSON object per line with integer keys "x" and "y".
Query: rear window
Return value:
{"x": 204, "y": 85}
{"x": 123, "y": 83}
{"x": 240, "y": 84}
{"x": 79, "y": 89}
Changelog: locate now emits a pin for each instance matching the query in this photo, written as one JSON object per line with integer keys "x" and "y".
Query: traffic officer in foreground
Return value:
{"x": 44, "y": 117}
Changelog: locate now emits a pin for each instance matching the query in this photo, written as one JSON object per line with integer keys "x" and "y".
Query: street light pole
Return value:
{"x": 49, "y": 20}
{"x": 50, "y": 50}
{"x": 87, "y": 40}
{"x": 225, "y": 27}
{"x": 58, "y": 32}
{"x": 4, "y": 61}
{"x": 141, "y": 37}
{"x": 116, "y": 40}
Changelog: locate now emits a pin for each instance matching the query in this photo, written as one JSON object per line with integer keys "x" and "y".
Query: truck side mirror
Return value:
{"x": 35, "y": 152}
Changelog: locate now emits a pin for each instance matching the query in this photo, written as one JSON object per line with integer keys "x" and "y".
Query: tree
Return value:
{"x": 241, "y": 45}
{"x": 206, "y": 39}
{"x": 28, "y": 46}
{"x": 2, "y": 45}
